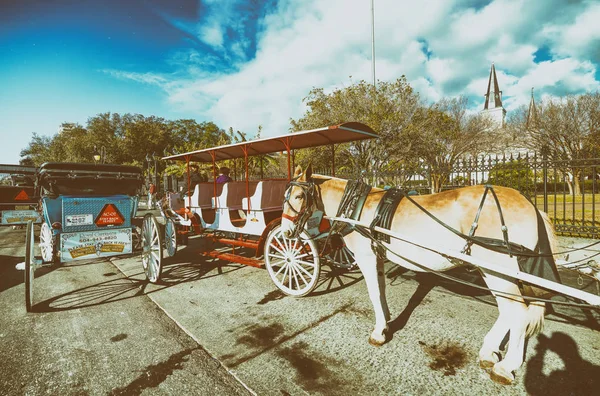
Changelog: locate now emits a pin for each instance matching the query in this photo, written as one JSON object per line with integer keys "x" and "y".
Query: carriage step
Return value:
{"x": 237, "y": 242}
{"x": 252, "y": 262}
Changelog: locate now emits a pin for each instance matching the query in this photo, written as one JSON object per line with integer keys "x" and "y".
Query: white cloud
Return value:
{"x": 443, "y": 47}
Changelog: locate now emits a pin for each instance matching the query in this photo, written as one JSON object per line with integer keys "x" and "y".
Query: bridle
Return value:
{"x": 301, "y": 216}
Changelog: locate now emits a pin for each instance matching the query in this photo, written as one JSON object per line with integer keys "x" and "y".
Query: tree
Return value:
{"x": 445, "y": 132}
{"x": 568, "y": 129}
{"x": 388, "y": 110}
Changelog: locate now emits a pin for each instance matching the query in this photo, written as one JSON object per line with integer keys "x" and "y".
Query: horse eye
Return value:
{"x": 300, "y": 196}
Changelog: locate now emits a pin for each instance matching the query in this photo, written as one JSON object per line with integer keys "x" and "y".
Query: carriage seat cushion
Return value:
{"x": 204, "y": 193}
{"x": 233, "y": 193}
{"x": 267, "y": 197}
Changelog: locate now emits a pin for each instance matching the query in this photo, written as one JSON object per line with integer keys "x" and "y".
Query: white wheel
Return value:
{"x": 29, "y": 266}
{"x": 171, "y": 237}
{"x": 151, "y": 248}
{"x": 47, "y": 244}
{"x": 293, "y": 264}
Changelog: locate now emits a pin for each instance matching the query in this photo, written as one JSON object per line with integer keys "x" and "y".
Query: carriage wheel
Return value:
{"x": 171, "y": 237}
{"x": 339, "y": 255}
{"x": 47, "y": 244}
{"x": 151, "y": 248}
{"x": 29, "y": 266}
{"x": 293, "y": 264}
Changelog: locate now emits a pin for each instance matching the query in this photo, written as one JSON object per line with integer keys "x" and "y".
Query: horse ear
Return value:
{"x": 309, "y": 171}
{"x": 298, "y": 171}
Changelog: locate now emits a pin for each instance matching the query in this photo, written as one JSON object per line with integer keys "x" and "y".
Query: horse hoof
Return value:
{"x": 501, "y": 378}
{"x": 375, "y": 342}
{"x": 486, "y": 364}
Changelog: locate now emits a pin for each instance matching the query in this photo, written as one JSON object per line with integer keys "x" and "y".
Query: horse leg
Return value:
{"x": 513, "y": 318}
{"x": 372, "y": 271}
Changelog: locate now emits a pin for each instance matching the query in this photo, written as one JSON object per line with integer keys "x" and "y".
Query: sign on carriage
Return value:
{"x": 16, "y": 217}
{"x": 109, "y": 216}
{"x": 22, "y": 196}
{"x": 92, "y": 244}
{"x": 79, "y": 220}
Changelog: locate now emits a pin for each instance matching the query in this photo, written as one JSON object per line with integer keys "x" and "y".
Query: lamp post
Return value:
{"x": 100, "y": 156}
{"x": 148, "y": 159}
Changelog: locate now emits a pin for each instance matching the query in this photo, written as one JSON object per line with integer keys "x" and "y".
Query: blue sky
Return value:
{"x": 247, "y": 63}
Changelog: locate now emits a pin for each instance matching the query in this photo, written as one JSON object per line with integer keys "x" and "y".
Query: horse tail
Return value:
{"x": 536, "y": 310}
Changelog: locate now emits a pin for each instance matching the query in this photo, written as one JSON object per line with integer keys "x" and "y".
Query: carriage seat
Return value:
{"x": 267, "y": 197}
{"x": 233, "y": 193}
{"x": 203, "y": 194}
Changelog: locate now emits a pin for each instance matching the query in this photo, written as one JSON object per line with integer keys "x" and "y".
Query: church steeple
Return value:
{"x": 493, "y": 100}
{"x": 532, "y": 114}
{"x": 493, "y": 97}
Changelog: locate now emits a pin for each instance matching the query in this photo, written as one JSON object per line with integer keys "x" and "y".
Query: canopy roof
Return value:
{"x": 342, "y": 133}
{"x": 17, "y": 169}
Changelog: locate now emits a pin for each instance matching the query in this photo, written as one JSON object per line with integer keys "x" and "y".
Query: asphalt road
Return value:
{"x": 96, "y": 332}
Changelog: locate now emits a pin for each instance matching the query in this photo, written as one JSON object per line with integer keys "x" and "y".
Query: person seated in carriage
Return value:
{"x": 195, "y": 177}
{"x": 224, "y": 176}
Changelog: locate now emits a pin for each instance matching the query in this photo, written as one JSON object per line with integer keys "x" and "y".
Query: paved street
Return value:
{"x": 96, "y": 332}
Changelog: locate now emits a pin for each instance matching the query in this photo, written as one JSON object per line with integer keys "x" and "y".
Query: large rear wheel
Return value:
{"x": 29, "y": 266}
{"x": 151, "y": 248}
{"x": 171, "y": 237}
{"x": 293, "y": 264}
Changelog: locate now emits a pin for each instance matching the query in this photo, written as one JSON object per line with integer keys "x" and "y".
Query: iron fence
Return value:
{"x": 568, "y": 190}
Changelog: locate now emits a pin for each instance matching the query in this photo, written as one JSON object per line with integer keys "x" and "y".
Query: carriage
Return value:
{"x": 87, "y": 211}
{"x": 246, "y": 215}
{"x": 18, "y": 202}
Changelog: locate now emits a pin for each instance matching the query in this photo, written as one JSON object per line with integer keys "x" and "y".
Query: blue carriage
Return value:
{"x": 87, "y": 211}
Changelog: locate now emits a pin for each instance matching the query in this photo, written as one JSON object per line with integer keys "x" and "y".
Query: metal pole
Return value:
{"x": 373, "y": 40}
{"x": 545, "y": 175}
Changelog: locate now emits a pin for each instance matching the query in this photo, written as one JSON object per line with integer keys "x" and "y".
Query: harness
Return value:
{"x": 539, "y": 262}
{"x": 384, "y": 215}
{"x": 351, "y": 205}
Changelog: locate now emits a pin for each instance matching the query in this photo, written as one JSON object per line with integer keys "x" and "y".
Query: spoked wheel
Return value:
{"x": 171, "y": 237}
{"x": 151, "y": 248}
{"x": 47, "y": 244}
{"x": 29, "y": 266}
{"x": 293, "y": 264}
{"x": 339, "y": 255}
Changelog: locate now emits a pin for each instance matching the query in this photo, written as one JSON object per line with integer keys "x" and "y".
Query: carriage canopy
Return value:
{"x": 342, "y": 133}
{"x": 55, "y": 179}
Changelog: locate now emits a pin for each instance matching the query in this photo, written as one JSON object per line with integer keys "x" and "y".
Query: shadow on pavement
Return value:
{"x": 578, "y": 377}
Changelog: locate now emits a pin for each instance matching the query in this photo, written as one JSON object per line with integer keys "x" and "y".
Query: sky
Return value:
{"x": 242, "y": 64}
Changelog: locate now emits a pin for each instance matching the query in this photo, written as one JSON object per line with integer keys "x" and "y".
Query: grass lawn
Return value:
{"x": 572, "y": 209}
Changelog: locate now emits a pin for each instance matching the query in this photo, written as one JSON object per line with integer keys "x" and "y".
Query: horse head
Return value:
{"x": 299, "y": 202}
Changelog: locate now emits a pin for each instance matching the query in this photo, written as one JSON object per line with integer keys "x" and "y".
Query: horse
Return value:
{"x": 518, "y": 316}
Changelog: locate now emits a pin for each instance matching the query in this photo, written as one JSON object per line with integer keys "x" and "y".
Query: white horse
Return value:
{"x": 457, "y": 209}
